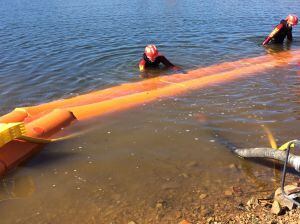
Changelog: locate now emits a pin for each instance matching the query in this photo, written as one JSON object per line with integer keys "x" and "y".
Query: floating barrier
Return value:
{"x": 17, "y": 150}
{"x": 44, "y": 120}
{"x": 29, "y": 113}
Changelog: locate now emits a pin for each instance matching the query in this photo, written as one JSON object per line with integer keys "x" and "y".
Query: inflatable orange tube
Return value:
{"x": 129, "y": 88}
{"x": 14, "y": 116}
{"x": 47, "y": 119}
{"x": 128, "y": 101}
{"x": 16, "y": 151}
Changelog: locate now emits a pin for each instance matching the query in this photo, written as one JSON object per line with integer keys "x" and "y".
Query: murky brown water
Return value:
{"x": 153, "y": 163}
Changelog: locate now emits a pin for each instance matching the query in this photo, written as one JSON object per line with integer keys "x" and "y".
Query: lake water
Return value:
{"x": 150, "y": 164}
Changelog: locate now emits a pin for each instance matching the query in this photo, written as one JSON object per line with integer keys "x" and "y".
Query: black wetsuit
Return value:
{"x": 285, "y": 31}
{"x": 159, "y": 59}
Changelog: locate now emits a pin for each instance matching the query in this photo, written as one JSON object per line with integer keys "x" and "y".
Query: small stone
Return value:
{"x": 185, "y": 175}
{"x": 237, "y": 190}
{"x": 202, "y": 196}
{"x": 161, "y": 204}
{"x": 206, "y": 212}
{"x": 232, "y": 166}
{"x": 178, "y": 215}
{"x": 241, "y": 206}
{"x": 132, "y": 222}
{"x": 210, "y": 220}
{"x": 252, "y": 202}
{"x": 192, "y": 164}
{"x": 276, "y": 208}
{"x": 184, "y": 222}
{"x": 228, "y": 193}
{"x": 283, "y": 201}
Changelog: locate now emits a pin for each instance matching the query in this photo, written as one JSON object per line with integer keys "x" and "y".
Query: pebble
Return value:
{"x": 185, "y": 175}
{"x": 232, "y": 166}
{"x": 206, "y": 212}
{"x": 241, "y": 206}
{"x": 161, "y": 204}
{"x": 202, "y": 196}
{"x": 252, "y": 202}
{"x": 178, "y": 215}
{"x": 184, "y": 222}
{"x": 276, "y": 208}
{"x": 210, "y": 219}
{"x": 228, "y": 193}
{"x": 284, "y": 202}
{"x": 192, "y": 164}
{"x": 132, "y": 222}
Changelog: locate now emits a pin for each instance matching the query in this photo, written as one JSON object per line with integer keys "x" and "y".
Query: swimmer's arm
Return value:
{"x": 142, "y": 65}
{"x": 165, "y": 61}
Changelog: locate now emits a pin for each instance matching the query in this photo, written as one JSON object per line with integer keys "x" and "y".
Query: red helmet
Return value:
{"x": 292, "y": 20}
{"x": 151, "y": 52}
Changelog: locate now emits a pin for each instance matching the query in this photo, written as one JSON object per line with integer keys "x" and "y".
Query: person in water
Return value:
{"x": 152, "y": 59}
{"x": 282, "y": 30}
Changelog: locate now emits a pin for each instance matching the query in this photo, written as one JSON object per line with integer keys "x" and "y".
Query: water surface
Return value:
{"x": 151, "y": 163}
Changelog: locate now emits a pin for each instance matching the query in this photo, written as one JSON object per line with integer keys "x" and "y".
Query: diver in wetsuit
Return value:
{"x": 285, "y": 31}
{"x": 152, "y": 58}
{"x": 282, "y": 30}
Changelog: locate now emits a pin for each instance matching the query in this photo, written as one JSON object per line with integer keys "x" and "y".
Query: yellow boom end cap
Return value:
{"x": 11, "y": 131}
{"x": 285, "y": 145}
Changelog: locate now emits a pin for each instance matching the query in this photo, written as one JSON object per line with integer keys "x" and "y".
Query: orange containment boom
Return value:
{"x": 44, "y": 120}
{"x": 16, "y": 151}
